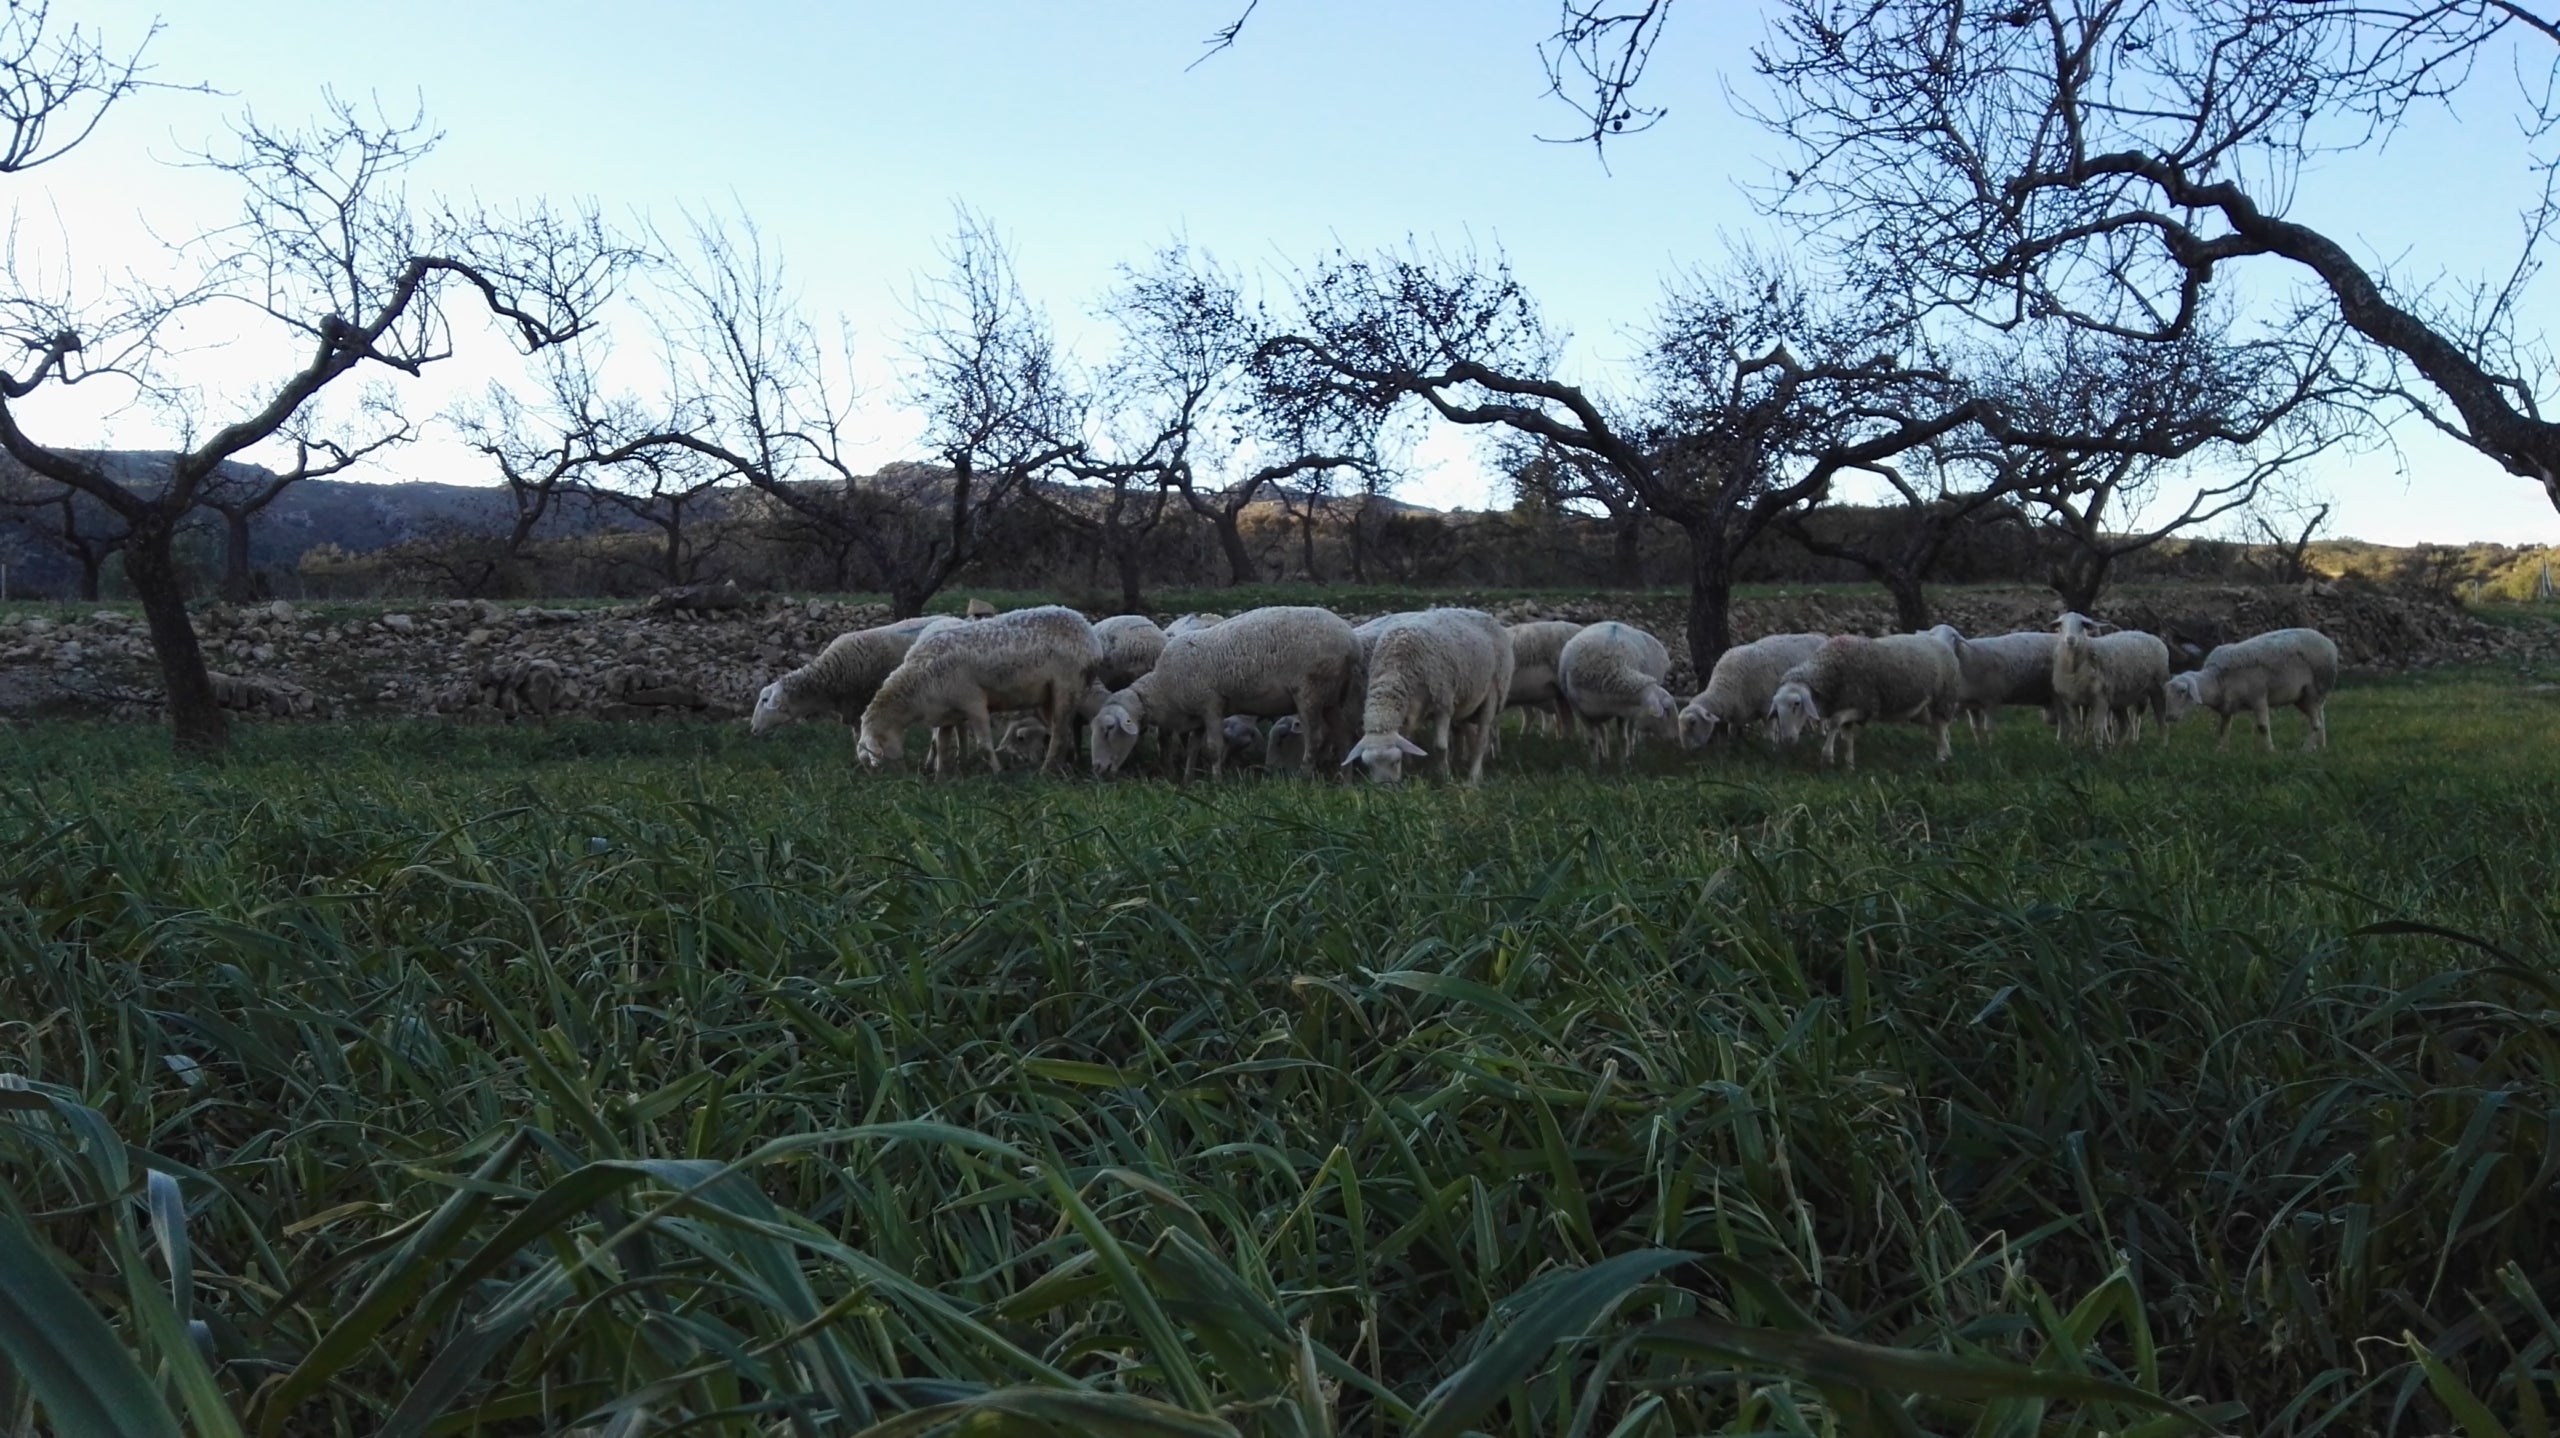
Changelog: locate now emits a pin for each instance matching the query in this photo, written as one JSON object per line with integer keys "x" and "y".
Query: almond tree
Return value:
{"x": 330, "y": 253}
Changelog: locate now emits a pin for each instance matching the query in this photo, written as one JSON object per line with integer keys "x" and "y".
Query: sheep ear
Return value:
{"x": 1128, "y": 725}
{"x": 1409, "y": 747}
{"x": 1351, "y": 758}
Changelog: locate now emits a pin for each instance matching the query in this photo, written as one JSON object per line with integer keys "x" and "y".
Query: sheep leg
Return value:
{"x": 2266, "y": 723}
{"x": 1849, "y": 743}
{"x": 2222, "y": 731}
{"x": 1062, "y": 730}
{"x": 983, "y": 731}
{"x": 2317, "y": 711}
{"x": 1944, "y": 729}
{"x": 1440, "y": 745}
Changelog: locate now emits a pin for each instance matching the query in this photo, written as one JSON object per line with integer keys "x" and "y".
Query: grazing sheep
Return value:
{"x": 2283, "y": 666}
{"x": 842, "y": 679}
{"x": 1193, "y": 623}
{"x": 1739, "y": 689}
{"x": 1285, "y": 747}
{"x": 1242, "y": 736}
{"x": 1286, "y": 659}
{"x": 980, "y": 609}
{"x": 1534, "y": 648}
{"x": 1446, "y": 668}
{"x": 1040, "y": 658}
{"x": 1852, "y": 680}
{"x": 1611, "y": 674}
{"x": 2001, "y": 669}
{"x": 1130, "y": 644}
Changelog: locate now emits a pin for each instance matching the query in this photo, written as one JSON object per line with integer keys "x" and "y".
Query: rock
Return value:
{"x": 399, "y": 623}
{"x": 282, "y": 612}
{"x": 69, "y": 653}
{"x": 476, "y": 637}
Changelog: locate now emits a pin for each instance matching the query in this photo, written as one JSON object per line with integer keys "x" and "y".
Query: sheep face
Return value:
{"x": 1661, "y": 719}
{"x": 1026, "y": 741}
{"x": 1790, "y": 711}
{"x": 1697, "y": 727}
{"x": 1115, "y": 734}
{"x": 1383, "y": 756}
{"x": 773, "y": 707}
{"x": 2186, "y": 695}
{"x": 1287, "y": 745}
{"x": 1241, "y": 734}
{"x": 879, "y": 749}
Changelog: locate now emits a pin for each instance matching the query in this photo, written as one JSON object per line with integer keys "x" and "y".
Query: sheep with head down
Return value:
{"x": 1852, "y": 680}
{"x": 1286, "y": 659}
{"x": 2298, "y": 667}
{"x": 1444, "y": 670}
{"x": 1739, "y": 688}
{"x": 1040, "y": 659}
{"x": 1535, "y": 648}
{"x": 844, "y": 676}
{"x": 1611, "y": 674}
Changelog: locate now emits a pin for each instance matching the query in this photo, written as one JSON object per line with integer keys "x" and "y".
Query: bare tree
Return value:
{"x": 1940, "y": 491}
{"x": 57, "y": 83}
{"x": 1733, "y": 427}
{"x": 49, "y": 517}
{"x": 999, "y": 410}
{"x": 1239, "y": 437}
{"x": 2173, "y": 436}
{"x": 329, "y": 249}
{"x": 239, "y": 491}
{"x": 2109, "y": 163}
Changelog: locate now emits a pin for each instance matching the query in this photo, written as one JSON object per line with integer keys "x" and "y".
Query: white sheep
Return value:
{"x": 2283, "y": 666}
{"x": 1367, "y": 631}
{"x": 1611, "y": 673}
{"x": 2137, "y": 665}
{"x": 1853, "y": 680}
{"x": 842, "y": 679}
{"x": 1286, "y": 659}
{"x": 2101, "y": 677}
{"x": 1041, "y": 658}
{"x": 1535, "y": 646}
{"x": 1241, "y": 735}
{"x": 1997, "y": 670}
{"x": 1285, "y": 747}
{"x": 1739, "y": 688}
{"x": 1193, "y": 623}
{"x": 1449, "y": 669}
{"x": 1130, "y": 644}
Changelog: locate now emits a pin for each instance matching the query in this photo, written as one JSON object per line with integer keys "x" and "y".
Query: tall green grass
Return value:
{"x": 409, "y": 1080}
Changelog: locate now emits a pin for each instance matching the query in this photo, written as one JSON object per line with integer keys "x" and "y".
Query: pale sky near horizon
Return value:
{"x": 849, "y": 131}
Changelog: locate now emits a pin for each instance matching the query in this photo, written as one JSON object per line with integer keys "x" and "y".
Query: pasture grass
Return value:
{"x": 405, "y": 1079}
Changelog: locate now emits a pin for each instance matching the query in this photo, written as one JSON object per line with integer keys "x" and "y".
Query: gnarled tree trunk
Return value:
{"x": 196, "y": 720}
{"x": 1710, "y": 598}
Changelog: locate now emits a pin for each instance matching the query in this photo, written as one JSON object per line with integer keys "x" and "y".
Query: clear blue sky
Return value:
{"x": 848, "y": 131}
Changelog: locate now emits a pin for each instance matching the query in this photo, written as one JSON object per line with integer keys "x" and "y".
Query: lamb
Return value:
{"x": 842, "y": 679}
{"x": 1739, "y": 688}
{"x": 1534, "y": 647}
{"x": 1448, "y": 668}
{"x": 1041, "y": 658}
{"x": 2283, "y": 666}
{"x": 1242, "y": 737}
{"x": 1130, "y": 644}
{"x": 1285, "y": 747}
{"x": 1286, "y": 659}
{"x": 1611, "y": 674}
{"x": 1852, "y": 680}
{"x": 2001, "y": 669}
{"x": 2099, "y": 677}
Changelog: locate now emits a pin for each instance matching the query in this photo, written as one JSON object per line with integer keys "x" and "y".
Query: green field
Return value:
{"x": 652, "y": 1079}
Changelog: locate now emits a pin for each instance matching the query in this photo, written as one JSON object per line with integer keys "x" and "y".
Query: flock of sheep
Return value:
{"x": 1434, "y": 683}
